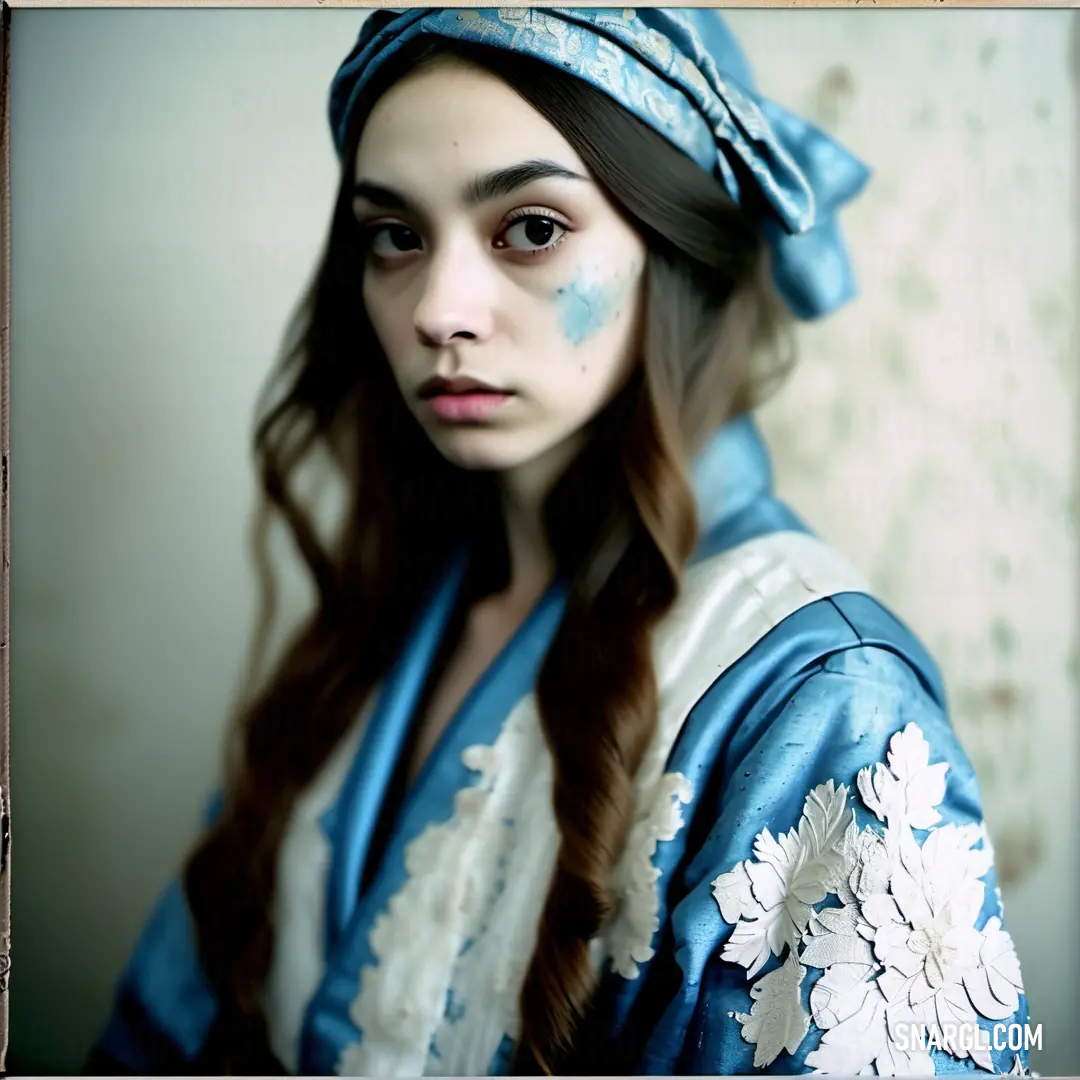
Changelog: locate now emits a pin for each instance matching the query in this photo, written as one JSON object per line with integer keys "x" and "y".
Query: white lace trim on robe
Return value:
{"x": 300, "y": 904}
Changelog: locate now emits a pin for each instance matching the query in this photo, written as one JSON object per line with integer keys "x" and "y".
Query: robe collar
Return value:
{"x": 730, "y": 472}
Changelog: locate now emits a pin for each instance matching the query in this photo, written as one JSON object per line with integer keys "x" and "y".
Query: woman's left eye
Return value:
{"x": 532, "y": 234}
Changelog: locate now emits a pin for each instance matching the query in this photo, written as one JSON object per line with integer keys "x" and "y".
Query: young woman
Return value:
{"x": 590, "y": 757}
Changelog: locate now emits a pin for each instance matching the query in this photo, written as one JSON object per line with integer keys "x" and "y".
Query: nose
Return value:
{"x": 457, "y": 303}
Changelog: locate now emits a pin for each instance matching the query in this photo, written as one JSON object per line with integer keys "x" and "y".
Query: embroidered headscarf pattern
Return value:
{"x": 900, "y": 949}
{"x": 683, "y": 74}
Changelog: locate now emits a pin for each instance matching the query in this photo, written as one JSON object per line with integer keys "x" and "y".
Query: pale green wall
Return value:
{"x": 172, "y": 179}
{"x": 943, "y": 459}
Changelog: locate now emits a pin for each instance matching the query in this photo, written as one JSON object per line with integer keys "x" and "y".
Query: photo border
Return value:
{"x": 5, "y": 532}
{"x": 785, "y": 4}
{"x": 5, "y": 324}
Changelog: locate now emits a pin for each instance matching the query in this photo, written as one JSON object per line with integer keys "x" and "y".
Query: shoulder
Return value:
{"x": 779, "y": 631}
{"x": 835, "y": 847}
{"x": 819, "y": 698}
{"x": 822, "y": 698}
{"x": 843, "y": 908}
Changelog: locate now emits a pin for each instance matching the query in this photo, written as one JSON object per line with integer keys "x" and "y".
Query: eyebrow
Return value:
{"x": 479, "y": 189}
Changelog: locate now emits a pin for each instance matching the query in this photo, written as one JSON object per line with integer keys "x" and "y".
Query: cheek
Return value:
{"x": 596, "y": 327}
{"x": 595, "y": 305}
{"x": 376, "y": 307}
{"x": 596, "y": 371}
{"x": 391, "y": 328}
{"x": 390, "y": 320}
{"x": 583, "y": 310}
{"x": 582, "y": 380}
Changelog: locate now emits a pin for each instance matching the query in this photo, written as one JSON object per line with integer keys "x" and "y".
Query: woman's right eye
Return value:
{"x": 386, "y": 241}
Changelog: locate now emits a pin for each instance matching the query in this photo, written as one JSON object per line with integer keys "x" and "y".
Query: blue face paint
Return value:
{"x": 587, "y": 308}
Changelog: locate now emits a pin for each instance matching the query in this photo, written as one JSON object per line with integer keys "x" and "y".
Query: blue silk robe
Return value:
{"x": 807, "y": 884}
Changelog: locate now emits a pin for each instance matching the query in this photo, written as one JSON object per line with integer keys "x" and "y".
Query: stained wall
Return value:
{"x": 930, "y": 429}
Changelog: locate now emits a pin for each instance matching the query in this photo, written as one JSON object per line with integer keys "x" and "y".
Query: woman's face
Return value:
{"x": 503, "y": 286}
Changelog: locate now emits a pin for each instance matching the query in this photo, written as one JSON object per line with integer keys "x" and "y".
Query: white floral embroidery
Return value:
{"x": 910, "y": 789}
{"x": 900, "y": 949}
{"x": 777, "y": 1020}
{"x": 628, "y": 941}
{"x": 771, "y": 900}
{"x": 1019, "y": 1070}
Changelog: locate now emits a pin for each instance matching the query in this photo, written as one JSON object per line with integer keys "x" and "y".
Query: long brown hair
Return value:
{"x": 621, "y": 523}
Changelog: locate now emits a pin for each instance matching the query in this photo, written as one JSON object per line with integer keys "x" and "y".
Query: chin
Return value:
{"x": 483, "y": 449}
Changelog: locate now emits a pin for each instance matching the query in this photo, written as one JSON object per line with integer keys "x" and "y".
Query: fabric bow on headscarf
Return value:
{"x": 681, "y": 72}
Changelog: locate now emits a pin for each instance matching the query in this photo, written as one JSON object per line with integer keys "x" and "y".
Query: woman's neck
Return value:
{"x": 531, "y": 561}
{"x": 524, "y": 491}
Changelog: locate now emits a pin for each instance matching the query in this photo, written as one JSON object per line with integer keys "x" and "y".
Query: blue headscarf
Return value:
{"x": 681, "y": 72}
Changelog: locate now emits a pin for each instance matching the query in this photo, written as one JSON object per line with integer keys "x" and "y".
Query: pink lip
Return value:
{"x": 466, "y": 407}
